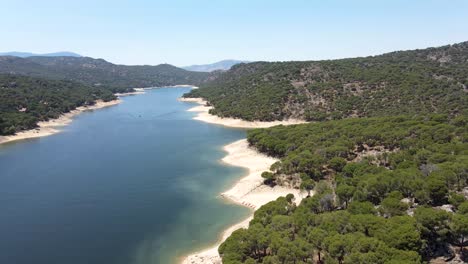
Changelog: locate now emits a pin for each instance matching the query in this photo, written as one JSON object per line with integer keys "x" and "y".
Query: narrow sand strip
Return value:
{"x": 46, "y": 128}
{"x": 143, "y": 90}
{"x": 184, "y": 86}
{"x": 170, "y": 86}
{"x": 248, "y": 191}
{"x": 137, "y": 91}
{"x": 203, "y": 115}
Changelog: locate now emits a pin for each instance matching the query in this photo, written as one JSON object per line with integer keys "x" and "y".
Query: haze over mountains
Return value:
{"x": 223, "y": 65}
{"x": 29, "y": 54}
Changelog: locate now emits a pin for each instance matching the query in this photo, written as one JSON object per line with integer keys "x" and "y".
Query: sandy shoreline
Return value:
{"x": 204, "y": 115}
{"x": 137, "y": 91}
{"x": 169, "y": 86}
{"x": 248, "y": 191}
{"x": 183, "y": 86}
{"x": 47, "y": 128}
{"x": 143, "y": 90}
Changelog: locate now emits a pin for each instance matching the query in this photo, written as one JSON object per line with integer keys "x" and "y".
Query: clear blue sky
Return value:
{"x": 201, "y": 31}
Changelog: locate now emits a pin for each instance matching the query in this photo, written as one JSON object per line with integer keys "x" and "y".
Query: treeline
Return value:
{"x": 432, "y": 80}
{"x": 385, "y": 190}
{"x": 24, "y": 101}
{"x": 100, "y": 73}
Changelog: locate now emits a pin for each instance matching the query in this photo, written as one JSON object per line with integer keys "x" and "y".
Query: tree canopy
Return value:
{"x": 378, "y": 184}
{"x": 24, "y": 101}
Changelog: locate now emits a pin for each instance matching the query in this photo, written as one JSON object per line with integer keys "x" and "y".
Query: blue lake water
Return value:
{"x": 136, "y": 183}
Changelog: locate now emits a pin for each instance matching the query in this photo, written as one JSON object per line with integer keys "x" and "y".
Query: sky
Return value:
{"x": 200, "y": 31}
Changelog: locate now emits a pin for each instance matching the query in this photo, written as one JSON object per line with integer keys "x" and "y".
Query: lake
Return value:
{"x": 134, "y": 183}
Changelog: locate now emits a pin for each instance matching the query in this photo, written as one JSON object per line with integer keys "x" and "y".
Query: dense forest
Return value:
{"x": 98, "y": 72}
{"x": 433, "y": 80}
{"x": 385, "y": 190}
{"x": 26, "y": 100}
{"x": 385, "y": 168}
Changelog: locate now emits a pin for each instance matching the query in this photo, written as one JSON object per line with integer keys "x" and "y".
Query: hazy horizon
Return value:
{"x": 184, "y": 33}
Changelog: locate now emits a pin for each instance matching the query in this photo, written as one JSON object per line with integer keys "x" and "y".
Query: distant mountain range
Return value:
{"x": 29, "y": 54}
{"x": 98, "y": 72}
{"x": 223, "y": 65}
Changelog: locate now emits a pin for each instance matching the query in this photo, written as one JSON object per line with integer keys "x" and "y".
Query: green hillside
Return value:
{"x": 24, "y": 101}
{"x": 432, "y": 80}
{"x": 378, "y": 186}
{"x": 98, "y": 72}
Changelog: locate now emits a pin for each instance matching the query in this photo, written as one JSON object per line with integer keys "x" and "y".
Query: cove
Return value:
{"x": 134, "y": 183}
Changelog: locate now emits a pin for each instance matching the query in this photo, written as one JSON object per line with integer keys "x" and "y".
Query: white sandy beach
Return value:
{"x": 203, "y": 115}
{"x": 248, "y": 191}
{"x": 46, "y": 128}
{"x": 143, "y": 90}
{"x": 184, "y": 86}
{"x": 137, "y": 91}
{"x": 169, "y": 86}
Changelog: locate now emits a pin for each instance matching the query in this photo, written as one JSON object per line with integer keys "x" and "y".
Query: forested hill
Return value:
{"x": 26, "y": 100}
{"x": 98, "y": 72}
{"x": 385, "y": 190}
{"x": 432, "y": 80}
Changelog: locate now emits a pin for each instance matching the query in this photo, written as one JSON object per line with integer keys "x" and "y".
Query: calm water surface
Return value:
{"x": 129, "y": 184}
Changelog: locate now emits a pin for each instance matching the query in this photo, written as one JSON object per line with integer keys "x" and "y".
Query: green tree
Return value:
{"x": 463, "y": 208}
{"x": 269, "y": 177}
{"x": 337, "y": 163}
{"x": 434, "y": 227}
{"x": 316, "y": 237}
{"x": 437, "y": 189}
{"x": 459, "y": 228}
{"x": 392, "y": 206}
{"x": 361, "y": 208}
{"x": 345, "y": 193}
{"x": 307, "y": 185}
